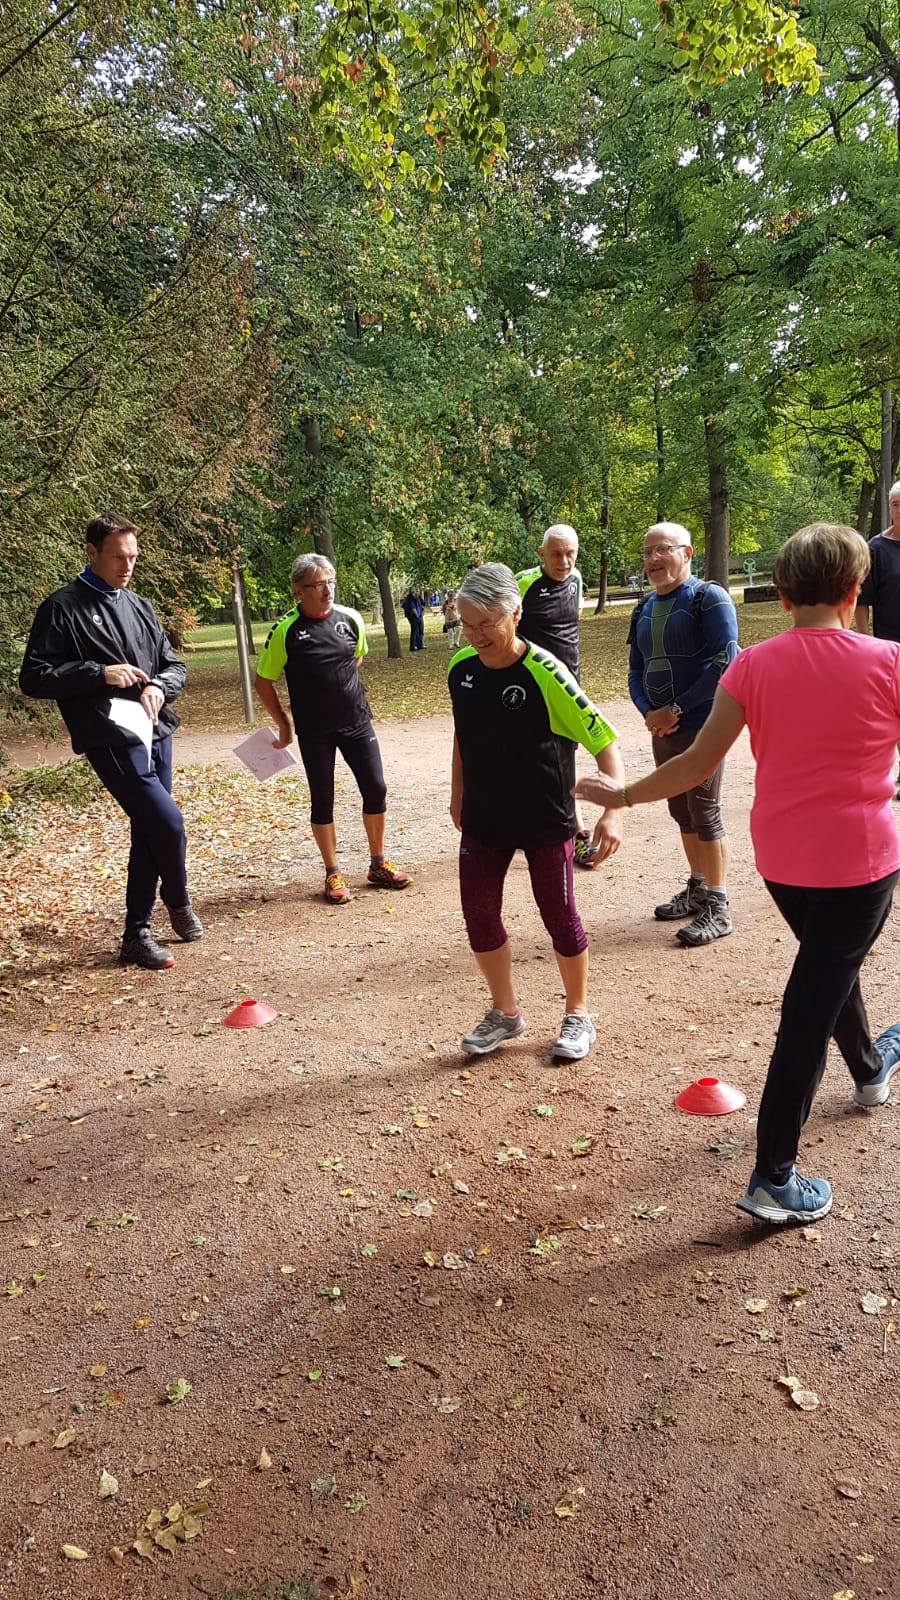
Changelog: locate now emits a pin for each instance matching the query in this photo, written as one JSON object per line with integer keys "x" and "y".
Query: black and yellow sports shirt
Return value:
{"x": 516, "y": 728}
{"x": 318, "y": 656}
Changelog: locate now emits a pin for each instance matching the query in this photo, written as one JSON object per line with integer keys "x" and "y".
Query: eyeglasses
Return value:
{"x": 662, "y": 550}
{"x": 324, "y": 583}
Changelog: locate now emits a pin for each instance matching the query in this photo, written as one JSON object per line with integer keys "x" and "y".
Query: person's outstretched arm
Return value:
{"x": 718, "y": 734}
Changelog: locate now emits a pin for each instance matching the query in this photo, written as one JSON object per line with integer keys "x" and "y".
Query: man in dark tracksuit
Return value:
{"x": 100, "y": 653}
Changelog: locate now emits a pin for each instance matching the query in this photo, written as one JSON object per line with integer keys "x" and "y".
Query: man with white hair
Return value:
{"x": 318, "y": 645}
{"x": 551, "y": 613}
{"x": 881, "y": 589}
{"x": 683, "y": 635}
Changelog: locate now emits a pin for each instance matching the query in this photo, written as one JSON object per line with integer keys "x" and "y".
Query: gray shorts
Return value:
{"x": 696, "y": 810}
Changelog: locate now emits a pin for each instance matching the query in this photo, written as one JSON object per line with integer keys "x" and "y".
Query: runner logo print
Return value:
{"x": 513, "y": 697}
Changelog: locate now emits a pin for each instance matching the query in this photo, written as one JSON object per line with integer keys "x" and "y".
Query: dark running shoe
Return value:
{"x": 186, "y": 922}
{"x": 877, "y": 1091}
{"x": 686, "y": 903}
{"x": 142, "y": 950}
{"x": 797, "y": 1200}
{"x": 712, "y": 922}
{"x": 584, "y": 853}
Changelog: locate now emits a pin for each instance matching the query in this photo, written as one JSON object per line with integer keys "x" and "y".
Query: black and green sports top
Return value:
{"x": 516, "y": 728}
{"x": 319, "y": 656}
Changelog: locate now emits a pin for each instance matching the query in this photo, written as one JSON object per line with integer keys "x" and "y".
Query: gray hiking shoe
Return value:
{"x": 686, "y": 903}
{"x": 185, "y": 922}
{"x": 492, "y": 1030}
{"x": 575, "y": 1037}
{"x": 712, "y": 922}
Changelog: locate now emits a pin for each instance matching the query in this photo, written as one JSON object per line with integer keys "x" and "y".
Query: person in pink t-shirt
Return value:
{"x": 822, "y": 705}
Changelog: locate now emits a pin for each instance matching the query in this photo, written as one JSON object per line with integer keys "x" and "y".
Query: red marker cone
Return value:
{"x": 710, "y": 1098}
{"x": 250, "y": 1014}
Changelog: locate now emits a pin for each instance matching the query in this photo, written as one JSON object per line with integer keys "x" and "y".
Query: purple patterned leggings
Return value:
{"x": 482, "y": 871}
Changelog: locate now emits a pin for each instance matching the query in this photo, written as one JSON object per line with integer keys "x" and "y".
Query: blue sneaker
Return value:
{"x": 797, "y": 1200}
{"x": 877, "y": 1090}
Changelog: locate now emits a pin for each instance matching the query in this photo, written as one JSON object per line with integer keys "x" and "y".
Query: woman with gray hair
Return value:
{"x": 518, "y": 714}
{"x": 318, "y": 645}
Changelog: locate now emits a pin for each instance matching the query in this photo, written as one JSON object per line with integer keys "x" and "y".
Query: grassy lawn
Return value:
{"x": 416, "y": 685}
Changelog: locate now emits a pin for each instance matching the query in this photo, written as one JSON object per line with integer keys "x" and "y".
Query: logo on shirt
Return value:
{"x": 301, "y": 633}
{"x": 513, "y": 697}
{"x": 343, "y": 628}
{"x": 468, "y": 682}
{"x": 543, "y": 591}
{"x": 95, "y": 617}
{"x": 572, "y": 589}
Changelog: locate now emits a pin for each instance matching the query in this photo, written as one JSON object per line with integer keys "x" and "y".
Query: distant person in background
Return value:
{"x": 414, "y": 612}
{"x": 551, "y": 615}
{"x": 822, "y": 707}
{"x": 451, "y": 620}
{"x": 318, "y": 646}
{"x": 101, "y": 654}
{"x": 682, "y": 637}
{"x": 881, "y": 590}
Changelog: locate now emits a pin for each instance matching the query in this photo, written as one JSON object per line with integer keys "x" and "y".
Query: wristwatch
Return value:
{"x": 675, "y": 709}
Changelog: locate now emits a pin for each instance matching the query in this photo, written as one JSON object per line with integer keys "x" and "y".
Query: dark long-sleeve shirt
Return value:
{"x": 679, "y": 649}
{"x": 78, "y": 632}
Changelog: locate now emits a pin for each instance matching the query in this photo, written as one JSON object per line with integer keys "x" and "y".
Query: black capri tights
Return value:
{"x": 363, "y": 757}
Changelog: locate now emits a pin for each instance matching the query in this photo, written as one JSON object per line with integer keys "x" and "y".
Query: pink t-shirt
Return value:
{"x": 823, "y": 709}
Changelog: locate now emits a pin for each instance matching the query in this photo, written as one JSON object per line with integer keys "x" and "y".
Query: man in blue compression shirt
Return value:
{"x": 683, "y": 635}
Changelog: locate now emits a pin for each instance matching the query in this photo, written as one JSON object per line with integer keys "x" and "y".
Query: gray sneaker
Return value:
{"x": 492, "y": 1030}
{"x": 713, "y": 922}
{"x": 686, "y": 903}
{"x": 185, "y": 922}
{"x": 575, "y": 1037}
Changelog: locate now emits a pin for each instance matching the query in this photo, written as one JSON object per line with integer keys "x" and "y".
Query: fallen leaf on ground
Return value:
{"x": 805, "y": 1399}
{"x": 545, "y": 1247}
{"x": 108, "y": 1485}
{"x": 368, "y": 1250}
{"x": 178, "y": 1390}
{"x": 65, "y": 1438}
{"x": 453, "y": 1263}
{"x": 567, "y": 1505}
{"x": 583, "y": 1145}
{"x": 446, "y": 1404}
{"x": 756, "y": 1306}
{"x": 850, "y": 1488}
{"x": 873, "y": 1303}
{"x": 323, "y": 1487}
{"x": 543, "y": 1111}
{"x": 647, "y": 1213}
{"x": 394, "y": 1362}
{"x": 355, "y": 1502}
{"x": 74, "y": 1552}
{"x": 264, "y": 1460}
{"x": 789, "y": 1382}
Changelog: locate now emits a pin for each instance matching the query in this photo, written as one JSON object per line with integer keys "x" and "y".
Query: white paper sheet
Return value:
{"x": 130, "y": 715}
{"x": 258, "y": 753}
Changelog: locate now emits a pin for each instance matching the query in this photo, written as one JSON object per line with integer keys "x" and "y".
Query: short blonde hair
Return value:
{"x": 820, "y": 564}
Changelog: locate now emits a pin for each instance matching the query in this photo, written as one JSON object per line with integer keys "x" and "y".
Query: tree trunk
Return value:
{"x": 887, "y": 442}
{"x": 323, "y": 543}
{"x": 602, "y": 585}
{"x": 660, "y": 451}
{"x": 391, "y": 630}
{"x": 245, "y": 610}
{"x": 867, "y": 489}
{"x": 717, "y": 520}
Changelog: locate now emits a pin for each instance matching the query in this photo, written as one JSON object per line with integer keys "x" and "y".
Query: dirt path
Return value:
{"x": 588, "y": 1398}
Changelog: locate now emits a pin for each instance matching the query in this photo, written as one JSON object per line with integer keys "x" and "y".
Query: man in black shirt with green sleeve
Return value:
{"x": 318, "y": 646}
